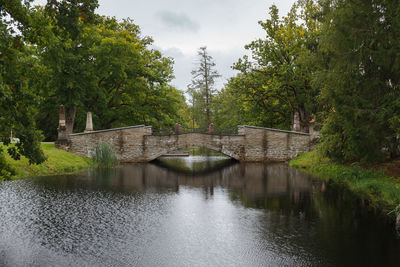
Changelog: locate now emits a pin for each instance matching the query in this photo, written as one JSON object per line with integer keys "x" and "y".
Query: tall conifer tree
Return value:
{"x": 204, "y": 77}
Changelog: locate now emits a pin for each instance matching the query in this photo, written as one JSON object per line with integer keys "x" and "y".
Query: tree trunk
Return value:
{"x": 207, "y": 92}
{"x": 70, "y": 118}
{"x": 193, "y": 110}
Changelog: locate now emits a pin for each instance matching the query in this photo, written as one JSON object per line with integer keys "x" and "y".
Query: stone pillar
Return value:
{"x": 178, "y": 128}
{"x": 211, "y": 128}
{"x": 89, "y": 122}
{"x": 296, "y": 122}
{"x": 148, "y": 130}
{"x": 62, "y": 129}
{"x": 241, "y": 130}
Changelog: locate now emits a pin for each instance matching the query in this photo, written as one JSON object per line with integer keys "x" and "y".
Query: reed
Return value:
{"x": 396, "y": 211}
{"x": 104, "y": 156}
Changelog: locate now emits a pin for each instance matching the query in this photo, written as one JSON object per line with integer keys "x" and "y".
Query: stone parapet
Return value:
{"x": 266, "y": 144}
{"x": 231, "y": 145}
{"x": 137, "y": 144}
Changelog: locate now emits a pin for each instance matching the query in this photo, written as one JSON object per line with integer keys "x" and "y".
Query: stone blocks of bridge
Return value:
{"x": 137, "y": 144}
{"x": 231, "y": 145}
{"x": 264, "y": 144}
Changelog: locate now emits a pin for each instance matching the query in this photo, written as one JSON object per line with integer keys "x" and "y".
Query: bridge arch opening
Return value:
{"x": 194, "y": 160}
{"x": 195, "y": 151}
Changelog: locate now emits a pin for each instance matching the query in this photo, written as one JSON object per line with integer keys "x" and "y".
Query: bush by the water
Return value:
{"x": 6, "y": 171}
{"x": 104, "y": 156}
{"x": 383, "y": 191}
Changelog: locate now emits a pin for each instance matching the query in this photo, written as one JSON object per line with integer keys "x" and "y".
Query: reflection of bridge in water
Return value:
{"x": 195, "y": 165}
{"x": 252, "y": 179}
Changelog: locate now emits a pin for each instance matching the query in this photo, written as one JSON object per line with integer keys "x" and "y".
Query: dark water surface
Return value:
{"x": 218, "y": 215}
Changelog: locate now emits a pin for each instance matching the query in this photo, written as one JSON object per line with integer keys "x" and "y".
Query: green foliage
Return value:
{"x": 110, "y": 70}
{"x": 236, "y": 105}
{"x": 360, "y": 79}
{"x": 336, "y": 60}
{"x": 228, "y": 112}
{"x": 130, "y": 80}
{"x": 381, "y": 190}
{"x": 6, "y": 171}
{"x": 104, "y": 156}
{"x": 64, "y": 53}
{"x": 18, "y": 71}
{"x": 276, "y": 83}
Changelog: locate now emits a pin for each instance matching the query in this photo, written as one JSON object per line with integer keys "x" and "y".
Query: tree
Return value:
{"x": 279, "y": 76}
{"x": 130, "y": 79}
{"x": 240, "y": 104}
{"x": 228, "y": 110}
{"x": 18, "y": 99}
{"x": 360, "y": 80}
{"x": 123, "y": 81}
{"x": 195, "y": 109}
{"x": 202, "y": 86}
{"x": 63, "y": 52}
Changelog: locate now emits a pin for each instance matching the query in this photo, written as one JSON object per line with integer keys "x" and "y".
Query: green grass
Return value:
{"x": 382, "y": 191}
{"x": 58, "y": 162}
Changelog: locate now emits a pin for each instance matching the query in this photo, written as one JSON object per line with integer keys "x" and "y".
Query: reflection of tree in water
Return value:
{"x": 352, "y": 221}
{"x": 90, "y": 179}
{"x": 274, "y": 187}
{"x": 329, "y": 224}
{"x": 299, "y": 216}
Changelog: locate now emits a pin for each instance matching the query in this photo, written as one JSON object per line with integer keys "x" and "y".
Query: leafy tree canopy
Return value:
{"x": 277, "y": 80}
{"x": 17, "y": 98}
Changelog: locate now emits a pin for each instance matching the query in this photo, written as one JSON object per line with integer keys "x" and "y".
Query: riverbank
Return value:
{"x": 58, "y": 162}
{"x": 381, "y": 190}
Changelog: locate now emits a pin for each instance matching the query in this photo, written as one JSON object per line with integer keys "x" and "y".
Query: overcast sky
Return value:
{"x": 180, "y": 27}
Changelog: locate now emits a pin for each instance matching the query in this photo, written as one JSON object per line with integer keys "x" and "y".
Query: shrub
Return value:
{"x": 6, "y": 171}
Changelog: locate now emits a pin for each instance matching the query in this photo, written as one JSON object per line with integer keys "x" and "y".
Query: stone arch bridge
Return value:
{"x": 139, "y": 144}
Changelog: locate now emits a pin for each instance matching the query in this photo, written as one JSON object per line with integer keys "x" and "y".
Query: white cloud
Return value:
{"x": 179, "y": 21}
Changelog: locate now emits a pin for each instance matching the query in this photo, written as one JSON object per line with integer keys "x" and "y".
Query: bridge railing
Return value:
{"x": 193, "y": 130}
{"x": 186, "y": 130}
{"x": 226, "y": 131}
{"x": 162, "y": 132}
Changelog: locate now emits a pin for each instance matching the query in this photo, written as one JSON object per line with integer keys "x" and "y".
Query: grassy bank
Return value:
{"x": 379, "y": 189}
{"x": 58, "y": 162}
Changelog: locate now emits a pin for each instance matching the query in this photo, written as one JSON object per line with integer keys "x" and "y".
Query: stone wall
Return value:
{"x": 137, "y": 144}
{"x": 127, "y": 142}
{"x": 265, "y": 144}
{"x": 231, "y": 145}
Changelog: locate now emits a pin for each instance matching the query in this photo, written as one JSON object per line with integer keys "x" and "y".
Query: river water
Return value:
{"x": 195, "y": 211}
